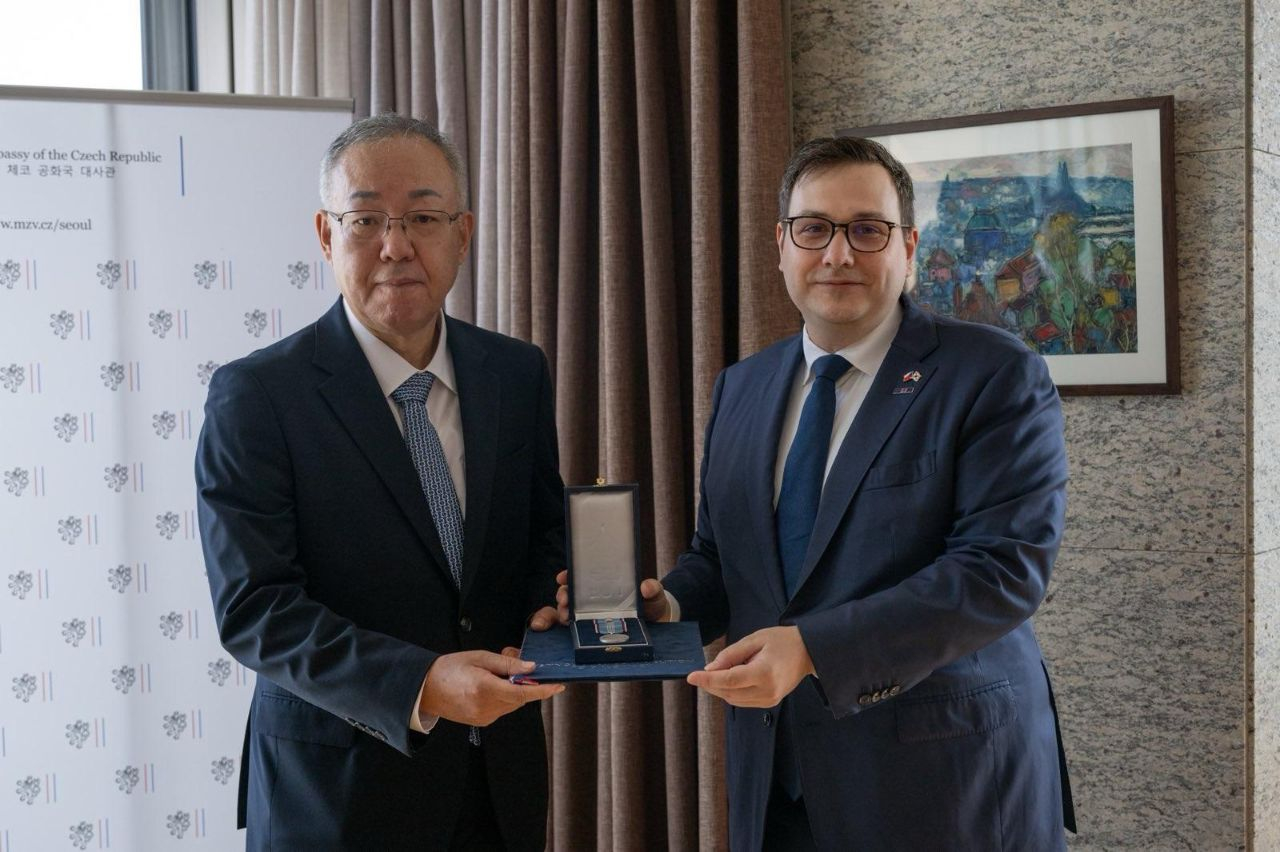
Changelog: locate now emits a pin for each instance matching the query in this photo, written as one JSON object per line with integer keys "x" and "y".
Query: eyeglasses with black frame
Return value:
{"x": 814, "y": 233}
{"x": 374, "y": 224}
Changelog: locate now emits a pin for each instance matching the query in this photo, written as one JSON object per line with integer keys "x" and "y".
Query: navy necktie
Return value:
{"x": 802, "y": 475}
{"x": 433, "y": 474}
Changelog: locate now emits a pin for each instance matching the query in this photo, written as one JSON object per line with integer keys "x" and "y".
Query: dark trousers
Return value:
{"x": 786, "y": 824}
{"x": 477, "y": 827}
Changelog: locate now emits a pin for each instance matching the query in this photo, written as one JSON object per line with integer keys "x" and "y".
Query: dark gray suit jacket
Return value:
{"x": 329, "y": 580}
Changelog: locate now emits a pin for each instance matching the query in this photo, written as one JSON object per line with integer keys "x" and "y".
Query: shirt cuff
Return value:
{"x": 418, "y": 721}
{"x": 673, "y": 605}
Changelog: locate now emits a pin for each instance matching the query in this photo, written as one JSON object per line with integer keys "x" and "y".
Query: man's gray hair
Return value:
{"x": 390, "y": 125}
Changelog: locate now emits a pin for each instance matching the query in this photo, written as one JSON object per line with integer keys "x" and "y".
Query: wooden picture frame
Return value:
{"x": 1056, "y": 224}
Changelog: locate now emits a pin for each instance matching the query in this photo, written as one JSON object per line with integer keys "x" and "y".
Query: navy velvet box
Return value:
{"x": 676, "y": 646}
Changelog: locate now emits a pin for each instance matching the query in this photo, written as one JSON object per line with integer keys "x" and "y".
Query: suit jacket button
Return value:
{"x": 877, "y": 695}
{"x": 864, "y": 699}
{"x": 895, "y": 689}
{"x": 768, "y": 718}
{"x": 464, "y": 624}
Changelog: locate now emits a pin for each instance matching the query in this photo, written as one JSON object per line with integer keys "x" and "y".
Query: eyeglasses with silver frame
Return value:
{"x": 814, "y": 233}
{"x": 374, "y": 224}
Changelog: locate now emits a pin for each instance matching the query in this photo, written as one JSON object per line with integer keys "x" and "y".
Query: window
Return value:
{"x": 73, "y": 43}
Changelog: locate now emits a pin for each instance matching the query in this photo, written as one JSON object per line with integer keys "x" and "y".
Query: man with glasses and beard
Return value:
{"x": 381, "y": 512}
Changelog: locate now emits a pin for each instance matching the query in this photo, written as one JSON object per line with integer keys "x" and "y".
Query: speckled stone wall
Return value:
{"x": 1145, "y": 627}
{"x": 1265, "y": 152}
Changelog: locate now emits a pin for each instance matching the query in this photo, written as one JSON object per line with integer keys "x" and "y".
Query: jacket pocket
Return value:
{"x": 289, "y": 717}
{"x": 942, "y": 717}
{"x": 900, "y": 473}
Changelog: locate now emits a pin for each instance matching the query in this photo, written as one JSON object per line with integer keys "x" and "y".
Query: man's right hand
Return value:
{"x": 656, "y": 607}
{"x": 471, "y": 687}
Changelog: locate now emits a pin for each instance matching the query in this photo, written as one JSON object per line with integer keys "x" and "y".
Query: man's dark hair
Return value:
{"x": 819, "y": 155}
{"x": 390, "y": 125}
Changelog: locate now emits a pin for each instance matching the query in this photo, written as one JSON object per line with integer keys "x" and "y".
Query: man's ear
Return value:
{"x": 467, "y": 223}
{"x": 324, "y": 230}
{"x": 910, "y": 239}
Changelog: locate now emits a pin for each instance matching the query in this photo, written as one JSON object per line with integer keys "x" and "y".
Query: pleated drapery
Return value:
{"x": 415, "y": 57}
{"x": 624, "y": 160}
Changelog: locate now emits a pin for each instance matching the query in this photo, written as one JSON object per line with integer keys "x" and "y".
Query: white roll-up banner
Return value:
{"x": 145, "y": 239}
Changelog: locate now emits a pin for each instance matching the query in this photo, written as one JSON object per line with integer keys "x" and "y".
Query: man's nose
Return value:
{"x": 396, "y": 244}
{"x": 838, "y": 252}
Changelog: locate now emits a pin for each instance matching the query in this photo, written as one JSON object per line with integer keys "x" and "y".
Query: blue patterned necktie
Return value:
{"x": 433, "y": 473}
{"x": 806, "y": 464}
{"x": 433, "y": 469}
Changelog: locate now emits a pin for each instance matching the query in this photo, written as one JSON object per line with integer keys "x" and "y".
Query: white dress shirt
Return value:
{"x": 391, "y": 371}
{"x": 443, "y": 411}
{"x": 866, "y": 356}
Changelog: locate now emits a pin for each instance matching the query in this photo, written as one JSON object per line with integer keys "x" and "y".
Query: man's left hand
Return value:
{"x": 758, "y": 670}
{"x": 544, "y": 619}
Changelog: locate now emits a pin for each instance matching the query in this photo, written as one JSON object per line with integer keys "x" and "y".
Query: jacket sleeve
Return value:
{"x": 266, "y": 620}
{"x": 546, "y": 500}
{"x": 696, "y": 581}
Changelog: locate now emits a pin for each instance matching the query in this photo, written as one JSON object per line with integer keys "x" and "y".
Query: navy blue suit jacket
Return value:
{"x": 931, "y": 723}
{"x": 329, "y": 581}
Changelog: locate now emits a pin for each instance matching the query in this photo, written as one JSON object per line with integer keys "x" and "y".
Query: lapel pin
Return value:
{"x": 903, "y": 387}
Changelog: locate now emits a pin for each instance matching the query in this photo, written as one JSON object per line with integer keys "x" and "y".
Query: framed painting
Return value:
{"x": 1056, "y": 225}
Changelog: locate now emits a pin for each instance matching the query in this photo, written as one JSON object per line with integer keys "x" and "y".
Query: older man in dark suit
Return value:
{"x": 381, "y": 512}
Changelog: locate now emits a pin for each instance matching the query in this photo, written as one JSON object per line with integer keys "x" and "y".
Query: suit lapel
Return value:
{"x": 352, "y": 392}
{"x": 772, "y": 406}
{"x": 480, "y": 400}
{"x": 895, "y": 387}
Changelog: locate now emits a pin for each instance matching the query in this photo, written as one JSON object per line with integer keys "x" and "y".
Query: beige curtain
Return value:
{"x": 646, "y": 143}
{"x": 624, "y": 161}
{"x": 292, "y": 47}
{"x": 416, "y": 57}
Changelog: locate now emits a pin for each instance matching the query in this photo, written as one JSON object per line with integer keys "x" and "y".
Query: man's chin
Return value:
{"x": 401, "y": 320}
{"x": 409, "y": 310}
{"x": 846, "y": 312}
{"x": 840, "y": 326}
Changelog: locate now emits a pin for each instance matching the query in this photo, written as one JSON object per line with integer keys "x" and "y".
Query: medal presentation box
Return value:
{"x": 607, "y": 637}
{"x": 602, "y": 523}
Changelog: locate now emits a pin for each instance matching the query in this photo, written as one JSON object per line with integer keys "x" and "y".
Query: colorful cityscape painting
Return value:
{"x": 1038, "y": 243}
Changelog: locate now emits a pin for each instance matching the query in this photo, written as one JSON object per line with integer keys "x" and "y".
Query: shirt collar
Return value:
{"x": 866, "y": 354}
{"x": 389, "y": 368}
